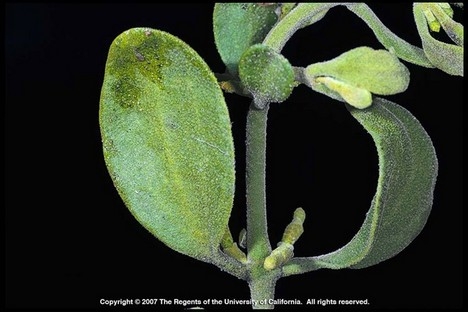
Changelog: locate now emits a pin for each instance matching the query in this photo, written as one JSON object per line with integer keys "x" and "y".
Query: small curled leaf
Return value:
{"x": 279, "y": 256}
{"x": 167, "y": 140}
{"x": 285, "y": 250}
{"x": 453, "y": 29}
{"x": 243, "y": 238}
{"x": 230, "y": 248}
{"x": 266, "y": 74}
{"x": 446, "y": 57}
{"x": 432, "y": 21}
{"x": 354, "y": 96}
{"x": 377, "y": 71}
{"x": 441, "y": 15}
{"x": 294, "y": 229}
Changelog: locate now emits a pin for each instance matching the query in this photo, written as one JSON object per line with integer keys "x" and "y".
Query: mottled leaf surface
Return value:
{"x": 167, "y": 140}
{"x": 237, "y": 26}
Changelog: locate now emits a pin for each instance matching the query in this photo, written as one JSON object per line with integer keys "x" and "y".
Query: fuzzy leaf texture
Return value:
{"x": 446, "y": 57}
{"x": 355, "y": 74}
{"x": 266, "y": 74}
{"x": 387, "y": 38}
{"x": 237, "y": 26}
{"x": 167, "y": 141}
{"x": 399, "y": 210}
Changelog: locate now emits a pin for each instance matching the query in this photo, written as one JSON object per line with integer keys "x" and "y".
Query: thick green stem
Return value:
{"x": 261, "y": 282}
{"x": 258, "y": 244}
{"x": 262, "y": 288}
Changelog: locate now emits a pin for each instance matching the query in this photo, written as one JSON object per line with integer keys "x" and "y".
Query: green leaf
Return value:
{"x": 377, "y": 71}
{"x": 266, "y": 74}
{"x": 230, "y": 248}
{"x": 167, "y": 141}
{"x": 354, "y": 96}
{"x": 237, "y": 26}
{"x": 444, "y": 15}
{"x": 279, "y": 256}
{"x": 285, "y": 250}
{"x": 403, "y": 199}
{"x": 446, "y": 57}
{"x": 387, "y": 38}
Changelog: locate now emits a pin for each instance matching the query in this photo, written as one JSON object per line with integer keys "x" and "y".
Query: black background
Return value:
{"x": 70, "y": 241}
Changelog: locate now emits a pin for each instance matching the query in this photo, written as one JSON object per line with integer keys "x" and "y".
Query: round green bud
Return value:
{"x": 266, "y": 74}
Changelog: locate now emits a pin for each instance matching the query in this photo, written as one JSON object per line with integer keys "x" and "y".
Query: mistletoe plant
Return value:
{"x": 168, "y": 146}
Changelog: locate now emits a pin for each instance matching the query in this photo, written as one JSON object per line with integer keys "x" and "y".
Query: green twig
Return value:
{"x": 258, "y": 245}
{"x": 299, "y": 17}
{"x": 261, "y": 282}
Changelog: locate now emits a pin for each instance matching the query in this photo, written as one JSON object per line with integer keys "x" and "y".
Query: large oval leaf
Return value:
{"x": 403, "y": 200}
{"x": 237, "y": 26}
{"x": 167, "y": 140}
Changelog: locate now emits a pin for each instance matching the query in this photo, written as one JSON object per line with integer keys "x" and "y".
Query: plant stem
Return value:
{"x": 296, "y": 19}
{"x": 262, "y": 288}
{"x": 261, "y": 282}
{"x": 258, "y": 244}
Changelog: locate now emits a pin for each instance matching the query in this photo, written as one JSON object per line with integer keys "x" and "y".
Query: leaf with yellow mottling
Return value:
{"x": 167, "y": 140}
